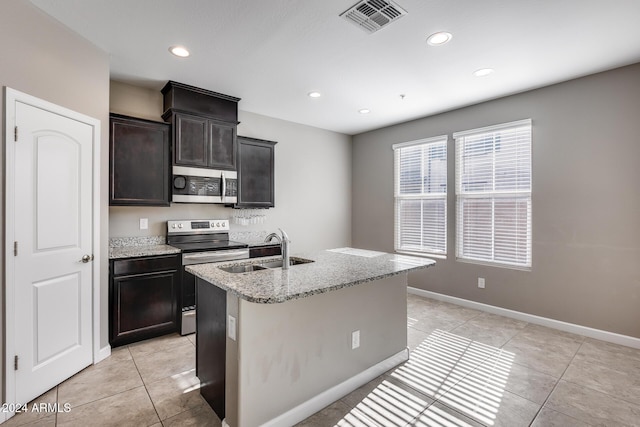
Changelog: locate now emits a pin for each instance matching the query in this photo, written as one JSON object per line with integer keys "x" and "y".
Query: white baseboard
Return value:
{"x": 102, "y": 354}
{"x": 531, "y": 318}
{"x": 313, "y": 405}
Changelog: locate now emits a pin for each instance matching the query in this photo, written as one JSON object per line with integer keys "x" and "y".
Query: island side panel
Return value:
{"x": 231, "y": 380}
{"x": 293, "y": 351}
{"x": 211, "y": 344}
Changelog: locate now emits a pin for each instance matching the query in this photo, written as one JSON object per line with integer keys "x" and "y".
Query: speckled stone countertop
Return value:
{"x": 137, "y": 251}
{"x": 131, "y": 247}
{"x": 330, "y": 271}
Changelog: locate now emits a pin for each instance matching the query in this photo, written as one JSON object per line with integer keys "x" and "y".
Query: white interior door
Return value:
{"x": 53, "y": 190}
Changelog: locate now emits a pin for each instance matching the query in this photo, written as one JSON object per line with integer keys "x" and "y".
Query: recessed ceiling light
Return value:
{"x": 314, "y": 94}
{"x": 438, "y": 39}
{"x": 180, "y": 51}
{"x": 364, "y": 111}
{"x": 483, "y": 72}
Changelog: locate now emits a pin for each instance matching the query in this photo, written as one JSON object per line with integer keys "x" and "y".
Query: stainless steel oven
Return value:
{"x": 201, "y": 241}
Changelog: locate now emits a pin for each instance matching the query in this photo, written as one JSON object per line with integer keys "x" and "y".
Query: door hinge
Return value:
{"x": 15, "y": 248}
{"x": 15, "y": 133}
{"x": 15, "y": 362}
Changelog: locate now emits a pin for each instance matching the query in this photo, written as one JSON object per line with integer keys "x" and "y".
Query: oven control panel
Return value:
{"x": 207, "y": 225}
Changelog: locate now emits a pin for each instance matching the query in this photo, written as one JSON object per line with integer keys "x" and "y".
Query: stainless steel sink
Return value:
{"x": 248, "y": 268}
{"x": 242, "y": 268}
{"x": 293, "y": 261}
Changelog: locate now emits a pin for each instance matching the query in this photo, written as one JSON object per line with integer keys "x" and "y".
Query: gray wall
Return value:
{"x": 45, "y": 59}
{"x": 313, "y": 179}
{"x": 586, "y": 203}
{"x": 295, "y": 350}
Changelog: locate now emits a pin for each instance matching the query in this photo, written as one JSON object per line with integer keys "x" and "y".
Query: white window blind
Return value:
{"x": 493, "y": 194}
{"x": 421, "y": 196}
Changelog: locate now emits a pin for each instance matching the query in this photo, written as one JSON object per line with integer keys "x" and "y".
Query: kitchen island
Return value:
{"x": 275, "y": 345}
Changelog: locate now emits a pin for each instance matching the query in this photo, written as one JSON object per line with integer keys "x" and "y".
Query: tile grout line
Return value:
{"x": 94, "y": 400}
{"x": 438, "y": 399}
{"x": 487, "y": 358}
{"x": 55, "y": 423}
{"x": 601, "y": 392}
{"x": 145, "y": 386}
{"x": 447, "y": 390}
{"x": 556, "y": 386}
{"x": 501, "y": 347}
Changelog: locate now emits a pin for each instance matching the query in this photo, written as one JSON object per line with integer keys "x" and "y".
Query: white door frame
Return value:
{"x": 11, "y": 97}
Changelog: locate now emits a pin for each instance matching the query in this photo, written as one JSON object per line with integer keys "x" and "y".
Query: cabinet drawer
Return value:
{"x": 145, "y": 265}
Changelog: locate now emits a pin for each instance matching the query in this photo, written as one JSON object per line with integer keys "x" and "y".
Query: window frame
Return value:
{"x": 398, "y": 197}
{"x": 494, "y": 196}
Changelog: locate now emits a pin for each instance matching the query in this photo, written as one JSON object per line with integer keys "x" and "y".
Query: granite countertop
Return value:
{"x": 139, "y": 246}
{"x": 131, "y": 247}
{"x": 331, "y": 271}
{"x": 141, "y": 250}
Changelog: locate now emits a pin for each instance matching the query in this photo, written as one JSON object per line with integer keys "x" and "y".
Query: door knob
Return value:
{"x": 87, "y": 258}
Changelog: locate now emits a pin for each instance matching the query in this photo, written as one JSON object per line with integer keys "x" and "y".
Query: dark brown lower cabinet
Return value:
{"x": 143, "y": 298}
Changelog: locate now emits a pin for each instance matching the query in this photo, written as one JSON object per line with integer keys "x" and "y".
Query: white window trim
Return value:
{"x": 488, "y": 129}
{"x": 420, "y": 142}
{"x": 397, "y": 196}
{"x": 492, "y": 128}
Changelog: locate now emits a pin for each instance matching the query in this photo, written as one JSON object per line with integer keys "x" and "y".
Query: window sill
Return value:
{"x": 494, "y": 264}
{"x": 422, "y": 254}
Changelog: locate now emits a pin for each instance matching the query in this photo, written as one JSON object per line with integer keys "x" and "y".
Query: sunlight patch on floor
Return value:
{"x": 465, "y": 375}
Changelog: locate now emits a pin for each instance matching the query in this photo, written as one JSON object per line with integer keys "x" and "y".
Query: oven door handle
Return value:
{"x": 213, "y": 255}
{"x": 199, "y": 258}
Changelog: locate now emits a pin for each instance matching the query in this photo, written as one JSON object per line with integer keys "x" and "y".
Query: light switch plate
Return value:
{"x": 231, "y": 327}
{"x": 355, "y": 339}
{"x": 144, "y": 223}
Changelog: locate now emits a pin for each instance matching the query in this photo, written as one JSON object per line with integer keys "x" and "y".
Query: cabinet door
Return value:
{"x": 222, "y": 145}
{"x": 191, "y": 144}
{"x": 143, "y": 302}
{"x": 256, "y": 183}
{"x": 139, "y": 162}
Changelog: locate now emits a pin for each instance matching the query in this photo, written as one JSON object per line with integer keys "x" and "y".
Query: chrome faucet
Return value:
{"x": 284, "y": 246}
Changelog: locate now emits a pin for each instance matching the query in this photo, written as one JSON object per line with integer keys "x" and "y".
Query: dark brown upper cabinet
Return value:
{"x": 256, "y": 173}
{"x": 139, "y": 162}
{"x": 204, "y": 126}
{"x": 204, "y": 142}
{"x": 190, "y": 140}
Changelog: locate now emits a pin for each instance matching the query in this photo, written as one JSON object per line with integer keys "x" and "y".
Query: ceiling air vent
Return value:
{"x": 373, "y": 15}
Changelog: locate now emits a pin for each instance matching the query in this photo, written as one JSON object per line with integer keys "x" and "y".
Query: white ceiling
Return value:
{"x": 271, "y": 53}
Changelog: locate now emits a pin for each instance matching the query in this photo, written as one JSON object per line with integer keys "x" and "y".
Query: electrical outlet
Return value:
{"x": 355, "y": 339}
{"x": 231, "y": 327}
{"x": 481, "y": 282}
{"x": 144, "y": 223}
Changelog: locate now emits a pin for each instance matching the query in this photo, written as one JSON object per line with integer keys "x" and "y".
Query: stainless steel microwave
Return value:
{"x": 197, "y": 185}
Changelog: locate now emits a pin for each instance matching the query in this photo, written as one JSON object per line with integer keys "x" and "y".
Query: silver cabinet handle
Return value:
{"x": 86, "y": 258}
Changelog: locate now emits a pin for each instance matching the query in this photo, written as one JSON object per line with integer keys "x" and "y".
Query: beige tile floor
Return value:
{"x": 467, "y": 368}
